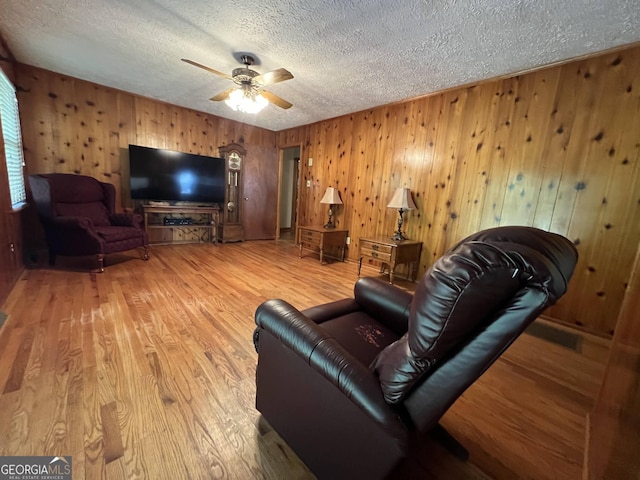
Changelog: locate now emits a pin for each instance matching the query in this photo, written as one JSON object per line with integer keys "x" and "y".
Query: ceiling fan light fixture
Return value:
{"x": 246, "y": 101}
{"x": 248, "y": 95}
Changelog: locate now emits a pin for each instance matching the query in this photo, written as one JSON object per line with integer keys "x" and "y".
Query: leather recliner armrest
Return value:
{"x": 329, "y": 311}
{"x": 289, "y": 325}
{"x": 386, "y": 303}
{"x": 316, "y": 347}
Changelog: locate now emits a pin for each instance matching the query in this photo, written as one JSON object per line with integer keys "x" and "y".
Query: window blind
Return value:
{"x": 10, "y": 120}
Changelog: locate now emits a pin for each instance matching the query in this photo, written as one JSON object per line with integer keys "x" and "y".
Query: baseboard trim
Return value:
{"x": 556, "y": 335}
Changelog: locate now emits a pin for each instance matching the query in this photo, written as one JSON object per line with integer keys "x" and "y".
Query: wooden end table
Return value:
{"x": 392, "y": 253}
{"x": 323, "y": 240}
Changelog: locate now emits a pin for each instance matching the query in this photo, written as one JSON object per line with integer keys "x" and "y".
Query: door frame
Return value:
{"x": 294, "y": 220}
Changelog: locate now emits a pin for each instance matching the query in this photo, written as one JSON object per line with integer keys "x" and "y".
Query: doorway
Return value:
{"x": 289, "y": 192}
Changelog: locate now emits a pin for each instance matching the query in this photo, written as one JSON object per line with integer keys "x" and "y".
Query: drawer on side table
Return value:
{"x": 309, "y": 238}
{"x": 329, "y": 243}
{"x": 375, "y": 250}
{"x": 392, "y": 253}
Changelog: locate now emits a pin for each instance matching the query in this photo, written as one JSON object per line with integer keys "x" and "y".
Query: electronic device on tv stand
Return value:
{"x": 164, "y": 177}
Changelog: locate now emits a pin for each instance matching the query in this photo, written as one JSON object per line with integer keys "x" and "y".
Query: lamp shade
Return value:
{"x": 332, "y": 196}
{"x": 402, "y": 199}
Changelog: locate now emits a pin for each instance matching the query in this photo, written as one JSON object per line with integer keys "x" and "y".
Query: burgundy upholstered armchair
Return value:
{"x": 354, "y": 386}
{"x": 79, "y": 218}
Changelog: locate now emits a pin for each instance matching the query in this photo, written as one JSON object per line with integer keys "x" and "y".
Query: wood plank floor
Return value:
{"x": 147, "y": 371}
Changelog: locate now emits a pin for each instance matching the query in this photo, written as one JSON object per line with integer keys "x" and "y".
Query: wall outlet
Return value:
{"x": 308, "y": 183}
{"x": 310, "y": 161}
{"x": 348, "y": 240}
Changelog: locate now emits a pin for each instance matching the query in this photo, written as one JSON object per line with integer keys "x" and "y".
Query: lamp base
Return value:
{"x": 398, "y": 235}
{"x": 330, "y": 223}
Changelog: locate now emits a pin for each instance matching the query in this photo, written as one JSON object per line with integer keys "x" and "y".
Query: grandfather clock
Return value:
{"x": 230, "y": 228}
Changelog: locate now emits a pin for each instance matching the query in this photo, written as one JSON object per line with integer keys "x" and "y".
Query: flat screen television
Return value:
{"x": 165, "y": 175}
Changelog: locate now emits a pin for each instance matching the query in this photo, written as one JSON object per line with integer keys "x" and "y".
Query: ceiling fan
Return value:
{"x": 249, "y": 83}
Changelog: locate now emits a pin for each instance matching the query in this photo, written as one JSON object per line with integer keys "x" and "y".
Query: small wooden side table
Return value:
{"x": 392, "y": 253}
{"x": 325, "y": 241}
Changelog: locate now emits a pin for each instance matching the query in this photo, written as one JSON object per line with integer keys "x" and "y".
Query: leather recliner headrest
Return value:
{"x": 466, "y": 288}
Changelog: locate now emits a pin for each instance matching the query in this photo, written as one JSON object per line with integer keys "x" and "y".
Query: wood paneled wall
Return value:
{"x": 556, "y": 149}
{"x": 73, "y": 126}
{"x": 613, "y": 436}
{"x": 11, "y": 264}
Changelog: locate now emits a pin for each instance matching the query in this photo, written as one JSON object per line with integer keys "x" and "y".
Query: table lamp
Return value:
{"x": 331, "y": 197}
{"x": 402, "y": 201}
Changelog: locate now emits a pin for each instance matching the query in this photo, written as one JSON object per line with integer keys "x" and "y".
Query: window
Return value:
{"x": 10, "y": 121}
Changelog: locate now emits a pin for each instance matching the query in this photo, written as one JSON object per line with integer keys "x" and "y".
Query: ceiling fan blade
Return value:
{"x": 222, "y": 96}
{"x": 276, "y": 100}
{"x": 215, "y": 72}
{"x": 274, "y": 76}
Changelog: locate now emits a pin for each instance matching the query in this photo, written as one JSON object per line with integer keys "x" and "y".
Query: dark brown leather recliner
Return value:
{"x": 354, "y": 386}
{"x": 79, "y": 218}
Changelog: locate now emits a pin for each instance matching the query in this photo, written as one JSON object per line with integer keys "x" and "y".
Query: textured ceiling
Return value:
{"x": 346, "y": 56}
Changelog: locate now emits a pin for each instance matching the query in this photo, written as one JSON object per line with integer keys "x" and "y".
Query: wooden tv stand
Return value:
{"x": 202, "y": 230}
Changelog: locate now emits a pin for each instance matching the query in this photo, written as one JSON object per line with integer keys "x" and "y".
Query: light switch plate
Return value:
{"x": 310, "y": 161}
{"x": 308, "y": 183}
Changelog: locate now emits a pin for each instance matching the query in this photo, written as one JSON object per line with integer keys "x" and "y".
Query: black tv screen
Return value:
{"x": 166, "y": 175}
